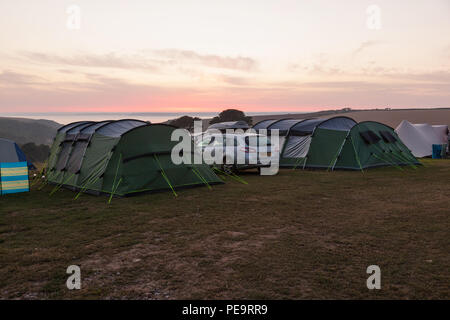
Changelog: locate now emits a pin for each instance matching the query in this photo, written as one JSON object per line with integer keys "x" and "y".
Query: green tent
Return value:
{"x": 121, "y": 158}
{"x": 337, "y": 143}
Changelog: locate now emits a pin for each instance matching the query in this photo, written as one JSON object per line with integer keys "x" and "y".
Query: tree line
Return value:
{"x": 35, "y": 153}
{"x": 187, "y": 122}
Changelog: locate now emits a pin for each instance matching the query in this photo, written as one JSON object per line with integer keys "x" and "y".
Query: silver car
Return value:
{"x": 238, "y": 151}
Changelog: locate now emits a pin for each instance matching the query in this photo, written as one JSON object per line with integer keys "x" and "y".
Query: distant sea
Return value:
{"x": 154, "y": 117}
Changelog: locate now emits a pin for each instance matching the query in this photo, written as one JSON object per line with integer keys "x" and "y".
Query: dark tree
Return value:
{"x": 185, "y": 122}
{"x": 231, "y": 115}
{"x": 35, "y": 153}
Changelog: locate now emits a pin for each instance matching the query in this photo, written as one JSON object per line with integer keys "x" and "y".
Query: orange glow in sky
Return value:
{"x": 188, "y": 56}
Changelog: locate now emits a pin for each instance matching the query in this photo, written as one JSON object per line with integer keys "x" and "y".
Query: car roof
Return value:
{"x": 235, "y": 134}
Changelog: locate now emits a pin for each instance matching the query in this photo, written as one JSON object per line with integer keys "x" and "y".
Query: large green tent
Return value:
{"x": 120, "y": 157}
{"x": 337, "y": 143}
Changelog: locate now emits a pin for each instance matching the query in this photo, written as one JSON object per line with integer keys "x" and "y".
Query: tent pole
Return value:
{"x": 234, "y": 176}
{"x": 114, "y": 191}
{"x": 356, "y": 155}
{"x": 386, "y": 160}
{"x": 408, "y": 158}
{"x": 43, "y": 185}
{"x": 94, "y": 175}
{"x": 304, "y": 162}
{"x": 201, "y": 178}
{"x": 386, "y": 157}
{"x": 312, "y": 141}
{"x": 339, "y": 152}
{"x": 164, "y": 175}
{"x": 403, "y": 159}
{"x": 297, "y": 163}
{"x": 115, "y": 177}
{"x": 61, "y": 184}
{"x": 36, "y": 179}
{"x": 92, "y": 178}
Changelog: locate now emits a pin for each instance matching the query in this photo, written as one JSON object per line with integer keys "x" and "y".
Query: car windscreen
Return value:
{"x": 210, "y": 141}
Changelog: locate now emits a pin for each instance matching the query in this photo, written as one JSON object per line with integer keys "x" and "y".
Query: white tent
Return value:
{"x": 419, "y": 138}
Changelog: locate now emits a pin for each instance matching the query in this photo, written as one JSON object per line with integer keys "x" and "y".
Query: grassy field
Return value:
{"x": 297, "y": 235}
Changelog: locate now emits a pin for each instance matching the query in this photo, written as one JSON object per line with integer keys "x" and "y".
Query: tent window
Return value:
{"x": 297, "y": 147}
{"x": 64, "y": 156}
{"x": 76, "y": 157}
{"x": 387, "y": 137}
{"x": 369, "y": 137}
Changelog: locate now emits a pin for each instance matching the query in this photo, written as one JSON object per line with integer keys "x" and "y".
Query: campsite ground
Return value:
{"x": 297, "y": 235}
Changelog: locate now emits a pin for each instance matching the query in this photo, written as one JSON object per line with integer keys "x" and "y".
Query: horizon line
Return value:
{"x": 348, "y": 109}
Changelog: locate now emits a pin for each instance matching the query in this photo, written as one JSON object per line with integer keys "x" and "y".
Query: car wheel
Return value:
{"x": 228, "y": 168}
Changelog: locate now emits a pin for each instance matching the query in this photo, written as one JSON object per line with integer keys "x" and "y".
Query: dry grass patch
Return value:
{"x": 297, "y": 235}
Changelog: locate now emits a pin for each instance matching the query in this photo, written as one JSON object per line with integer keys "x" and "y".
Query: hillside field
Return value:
{"x": 23, "y": 130}
{"x": 391, "y": 118}
{"x": 297, "y": 235}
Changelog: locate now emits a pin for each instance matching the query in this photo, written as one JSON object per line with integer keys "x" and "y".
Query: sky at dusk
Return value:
{"x": 187, "y": 56}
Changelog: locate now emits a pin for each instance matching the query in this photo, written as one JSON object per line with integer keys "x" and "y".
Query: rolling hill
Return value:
{"x": 389, "y": 117}
{"x": 22, "y": 130}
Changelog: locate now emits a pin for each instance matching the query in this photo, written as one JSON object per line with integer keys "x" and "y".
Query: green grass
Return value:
{"x": 297, "y": 235}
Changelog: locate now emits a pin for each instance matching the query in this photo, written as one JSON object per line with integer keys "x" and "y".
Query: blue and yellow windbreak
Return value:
{"x": 14, "y": 177}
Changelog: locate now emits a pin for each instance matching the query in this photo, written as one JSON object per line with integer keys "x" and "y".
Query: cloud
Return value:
{"x": 235, "y": 81}
{"x": 433, "y": 76}
{"x": 11, "y": 78}
{"x": 108, "y": 60}
{"x": 364, "y": 46}
{"x": 157, "y": 61}
{"x": 66, "y": 71}
{"x": 446, "y": 51}
{"x": 209, "y": 60}
{"x": 315, "y": 69}
{"x": 99, "y": 93}
{"x": 295, "y": 96}
{"x": 377, "y": 86}
{"x": 317, "y": 64}
{"x": 371, "y": 71}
